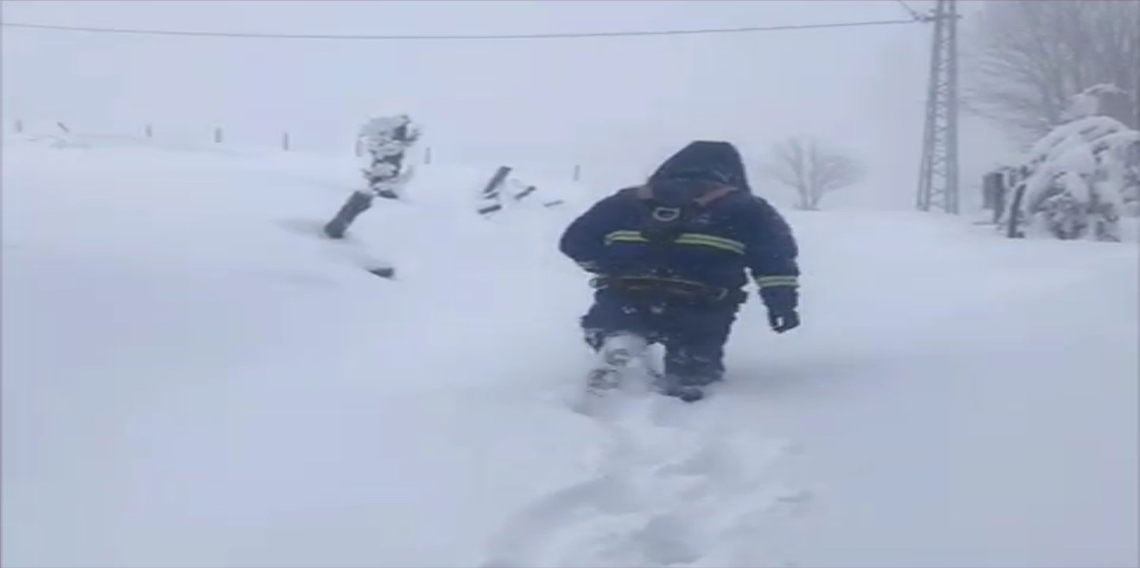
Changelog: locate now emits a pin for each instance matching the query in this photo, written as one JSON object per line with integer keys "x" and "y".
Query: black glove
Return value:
{"x": 783, "y": 321}
{"x": 781, "y": 302}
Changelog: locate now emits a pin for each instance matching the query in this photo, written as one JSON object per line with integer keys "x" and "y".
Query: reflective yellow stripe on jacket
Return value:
{"x": 695, "y": 239}
{"x": 770, "y": 281}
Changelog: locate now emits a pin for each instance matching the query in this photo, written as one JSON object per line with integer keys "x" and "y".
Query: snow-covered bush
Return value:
{"x": 1078, "y": 180}
{"x": 387, "y": 140}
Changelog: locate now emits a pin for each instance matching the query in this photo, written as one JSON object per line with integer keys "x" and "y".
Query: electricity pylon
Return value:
{"x": 938, "y": 177}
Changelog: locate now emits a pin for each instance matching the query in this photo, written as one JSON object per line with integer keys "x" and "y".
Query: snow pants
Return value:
{"x": 693, "y": 335}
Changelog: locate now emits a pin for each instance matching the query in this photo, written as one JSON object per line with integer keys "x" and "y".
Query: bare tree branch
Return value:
{"x": 811, "y": 169}
{"x": 1026, "y": 58}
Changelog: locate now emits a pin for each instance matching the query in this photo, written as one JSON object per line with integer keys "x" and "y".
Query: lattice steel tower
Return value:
{"x": 938, "y": 177}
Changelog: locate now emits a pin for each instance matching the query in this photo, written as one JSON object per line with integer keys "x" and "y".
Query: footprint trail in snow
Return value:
{"x": 673, "y": 486}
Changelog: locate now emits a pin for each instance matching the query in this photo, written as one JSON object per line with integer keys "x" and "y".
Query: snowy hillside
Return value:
{"x": 190, "y": 380}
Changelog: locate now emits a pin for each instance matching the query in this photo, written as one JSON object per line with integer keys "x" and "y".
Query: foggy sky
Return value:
{"x": 615, "y": 105}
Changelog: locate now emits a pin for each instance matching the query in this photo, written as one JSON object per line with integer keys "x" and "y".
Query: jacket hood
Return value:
{"x": 703, "y": 160}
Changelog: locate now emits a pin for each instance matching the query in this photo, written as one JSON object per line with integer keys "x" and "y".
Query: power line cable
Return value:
{"x": 460, "y": 37}
{"x": 913, "y": 13}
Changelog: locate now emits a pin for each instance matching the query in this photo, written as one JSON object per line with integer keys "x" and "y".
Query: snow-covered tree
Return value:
{"x": 1090, "y": 102}
{"x": 812, "y": 170}
{"x": 1078, "y": 180}
{"x": 1024, "y": 58}
{"x": 386, "y": 140}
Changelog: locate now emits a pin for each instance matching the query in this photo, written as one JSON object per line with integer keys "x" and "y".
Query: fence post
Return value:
{"x": 427, "y": 155}
{"x": 522, "y": 194}
{"x": 1013, "y": 229}
{"x": 285, "y": 141}
{"x": 218, "y": 135}
{"x": 491, "y": 192}
{"x": 19, "y": 126}
{"x": 149, "y": 131}
{"x": 993, "y": 193}
{"x": 577, "y": 173}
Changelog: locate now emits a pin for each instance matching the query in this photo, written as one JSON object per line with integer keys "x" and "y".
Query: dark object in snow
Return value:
{"x": 491, "y": 198}
{"x": 388, "y": 272}
{"x": 357, "y": 203}
{"x": 672, "y": 258}
{"x": 357, "y": 252}
{"x": 524, "y": 193}
{"x": 995, "y": 192}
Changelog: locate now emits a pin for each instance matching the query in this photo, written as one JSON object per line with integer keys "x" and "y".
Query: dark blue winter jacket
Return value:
{"x": 736, "y": 233}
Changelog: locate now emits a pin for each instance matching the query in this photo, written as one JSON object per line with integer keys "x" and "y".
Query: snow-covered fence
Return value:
{"x": 525, "y": 192}
{"x": 205, "y": 137}
{"x": 502, "y": 191}
{"x": 491, "y": 197}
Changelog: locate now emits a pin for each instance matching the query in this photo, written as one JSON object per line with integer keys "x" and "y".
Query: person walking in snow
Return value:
{"x": 671, "y": 258}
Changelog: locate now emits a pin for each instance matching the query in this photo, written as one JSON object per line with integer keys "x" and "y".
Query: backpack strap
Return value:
{"x": 715, "y": 194}
{"x": 663, "y": 225}
{"x": 645, "y": 193}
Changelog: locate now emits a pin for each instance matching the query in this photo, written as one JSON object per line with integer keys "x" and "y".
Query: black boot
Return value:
{"x": 678, "y": 387}
{"x": 686, "y": 378}
{"x": 357, "y": 203}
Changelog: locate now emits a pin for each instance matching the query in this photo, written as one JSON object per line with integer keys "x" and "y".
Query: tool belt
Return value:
{"x": 668, "y": 289}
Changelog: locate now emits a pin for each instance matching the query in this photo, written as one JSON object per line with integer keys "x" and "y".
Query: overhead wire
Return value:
{"x": 455, "y": 37}
{"x": 913, "y": 13}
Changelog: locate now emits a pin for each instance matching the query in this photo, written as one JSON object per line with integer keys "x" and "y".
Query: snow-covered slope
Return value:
{"x": 188, "y": 380}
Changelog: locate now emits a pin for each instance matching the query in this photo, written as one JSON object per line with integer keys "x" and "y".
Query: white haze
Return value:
{"x": 190, "y": 378}
{"x": 613, "y": 105}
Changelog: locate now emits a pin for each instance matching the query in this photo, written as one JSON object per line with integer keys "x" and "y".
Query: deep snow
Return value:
{"x": 190, "y": 381}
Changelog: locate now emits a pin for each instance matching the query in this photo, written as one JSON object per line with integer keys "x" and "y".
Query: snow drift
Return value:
{"x": 189, "y": 380}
